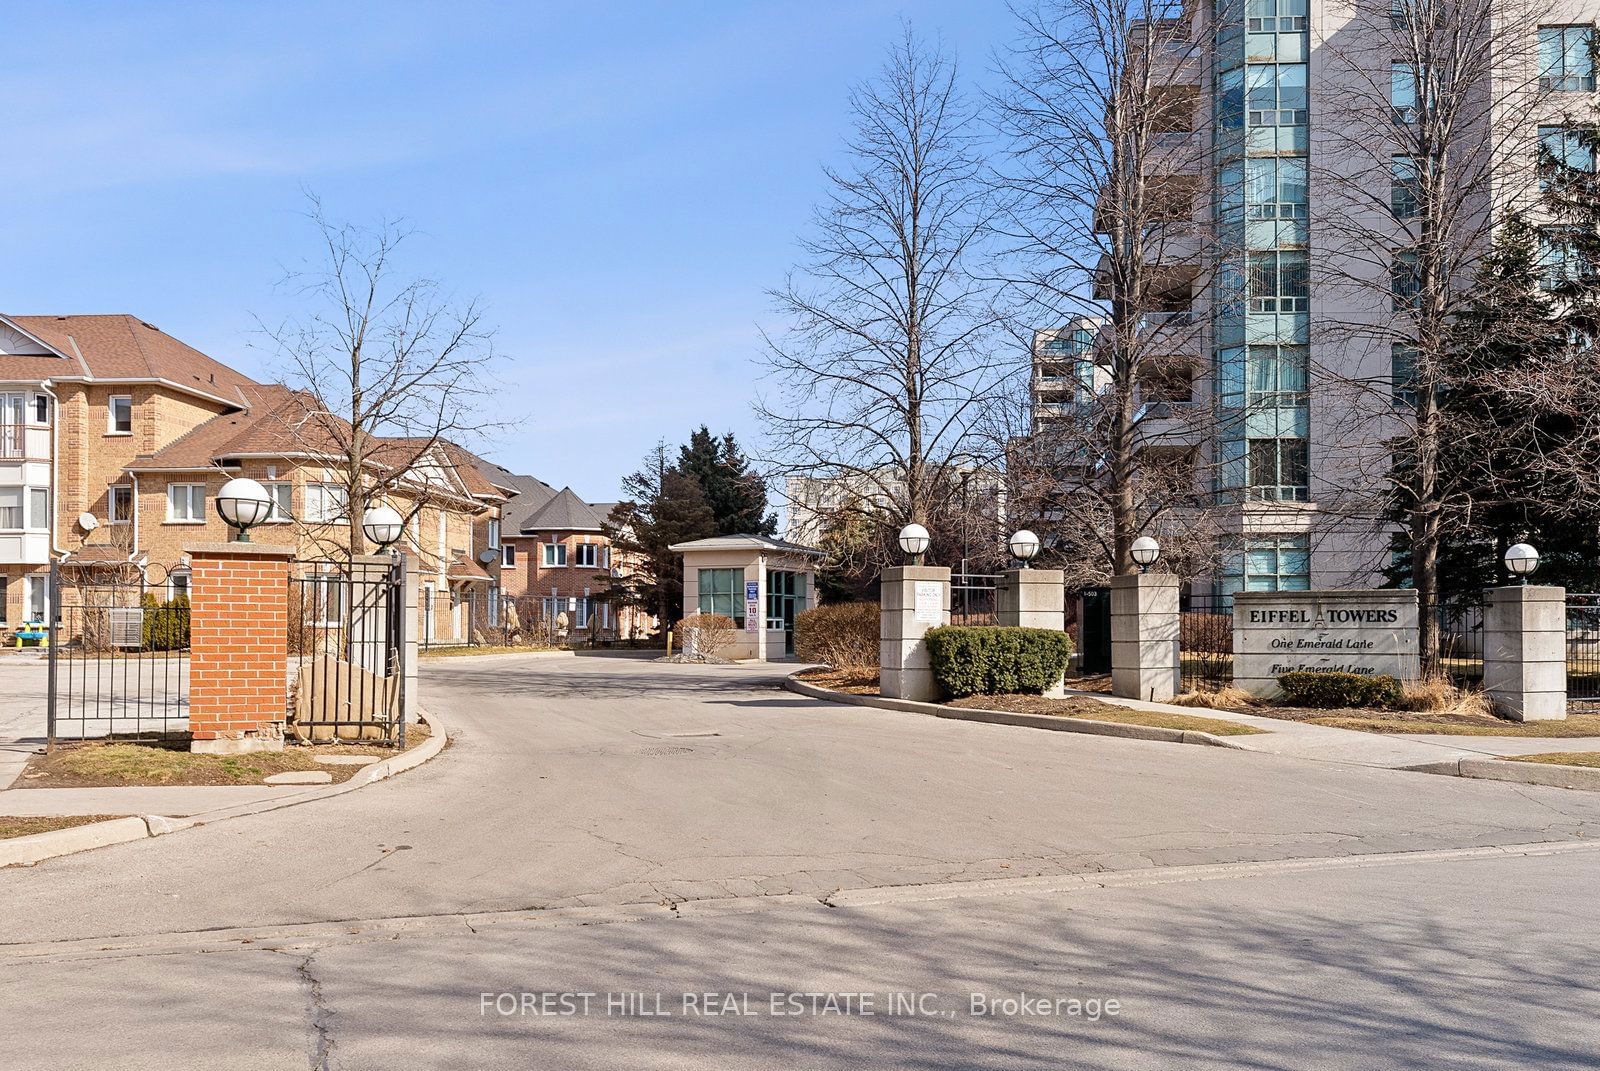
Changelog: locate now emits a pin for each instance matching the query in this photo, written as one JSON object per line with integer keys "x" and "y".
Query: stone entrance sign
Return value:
{"x": 1364, "y": 632}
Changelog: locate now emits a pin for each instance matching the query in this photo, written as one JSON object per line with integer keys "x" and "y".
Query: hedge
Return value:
{"x": 845, "y": 635}
{"x": 165, "y": 624}
{"x": 996, "y": 661}
{"x": 1327, "y": 691}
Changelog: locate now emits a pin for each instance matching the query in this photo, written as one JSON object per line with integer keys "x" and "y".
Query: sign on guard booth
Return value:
{"x": 1363, "y": 632}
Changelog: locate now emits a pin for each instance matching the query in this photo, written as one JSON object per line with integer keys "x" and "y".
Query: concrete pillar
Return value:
{"x": 410, "y": 694}
{"x": 1525, "y": 652}
{"x": 914, "y": 599}
{"x": 238, "y": 646}
{"x": 1144, "y": 636}
{"x": 1032, "y": 598}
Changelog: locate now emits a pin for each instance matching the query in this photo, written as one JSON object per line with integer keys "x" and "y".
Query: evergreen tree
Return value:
{"x": 662, "y": 506}
{"x": 1519, "y": 458}
{"x": 736, "y": 496}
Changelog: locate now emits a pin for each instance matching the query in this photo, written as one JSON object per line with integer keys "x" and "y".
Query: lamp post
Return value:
{"x": 1024, "y": 546}
{"x": 1145, "y": 551}
{"x": 1521, "y": 560}
{"x": 914, "y": 540}
{"x": 243, "y": 503}
{"x": 382, "y": 525}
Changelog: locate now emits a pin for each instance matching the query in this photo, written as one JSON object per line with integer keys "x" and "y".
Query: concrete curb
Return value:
{"x": 25, "y": 851}
{"x": 1549, "y": 775}
{"x": 1004, "y": 717}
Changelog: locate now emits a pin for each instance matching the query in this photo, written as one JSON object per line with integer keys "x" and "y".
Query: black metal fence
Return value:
{"x": 1583, "y": 649}
{"x": 1205, "y": 641}
{"x": 972, "y": 599}
{"x": 1460, "y": 656}
{"x": 118, "y": 636}
{"x": 346, "y": 651}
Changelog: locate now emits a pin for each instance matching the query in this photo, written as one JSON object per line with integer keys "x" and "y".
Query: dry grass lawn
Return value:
{"x": 853, "y": 681}
{"x": 1094, "y": 710}
{"x": 1561, "y": 758}
{"x": 120, "y": 764}
{"x": 1399, "y": 721}
{"x": 24, "y": 827}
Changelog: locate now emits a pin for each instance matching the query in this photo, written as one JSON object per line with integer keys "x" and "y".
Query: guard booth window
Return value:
{"x": 786, "y": 597}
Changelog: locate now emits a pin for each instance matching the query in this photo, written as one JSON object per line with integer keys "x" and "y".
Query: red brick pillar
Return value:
{"x": 238, "y": 646}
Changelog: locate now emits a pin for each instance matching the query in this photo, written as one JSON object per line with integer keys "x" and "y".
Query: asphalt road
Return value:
{"x": 610, "y": 826}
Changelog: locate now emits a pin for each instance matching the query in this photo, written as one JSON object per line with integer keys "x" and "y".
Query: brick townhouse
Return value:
{"x": 556, "y": 559}
{"x": 115, "y": 438}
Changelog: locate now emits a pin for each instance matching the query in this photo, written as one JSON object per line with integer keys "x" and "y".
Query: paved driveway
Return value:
{"x": 615, "y": 786}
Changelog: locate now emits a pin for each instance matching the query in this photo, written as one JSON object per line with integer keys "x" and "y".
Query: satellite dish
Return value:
{"x": 88, "y": 522}
{"x": 489, "y": 557}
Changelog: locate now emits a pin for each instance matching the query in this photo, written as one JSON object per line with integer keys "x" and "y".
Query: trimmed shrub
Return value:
{"x": 1328, "y": 691}
{"x": 996, "y": 661}
{"x": 708, "y": 635}
{"x": 845, "y": 635}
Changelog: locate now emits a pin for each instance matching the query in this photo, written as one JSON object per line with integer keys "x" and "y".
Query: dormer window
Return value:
{"x": 120, "y": 419}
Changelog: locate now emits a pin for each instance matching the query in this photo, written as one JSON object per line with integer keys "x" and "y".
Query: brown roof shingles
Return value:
{"x": 120, "y": 346}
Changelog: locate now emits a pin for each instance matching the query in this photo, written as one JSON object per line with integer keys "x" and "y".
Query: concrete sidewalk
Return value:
{"x": 1323, "y": 743}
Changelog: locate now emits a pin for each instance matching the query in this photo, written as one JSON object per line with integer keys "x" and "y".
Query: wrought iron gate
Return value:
{"x": 347, "y": 630}
{"x": 118, "y": 635}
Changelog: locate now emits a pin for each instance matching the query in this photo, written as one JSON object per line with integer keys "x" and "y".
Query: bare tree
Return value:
{"x": 886, "y": 367}
{"x": 391, "y": 366}
{"x": 1425, "y": 154}
{"x": 1104, "y": 191}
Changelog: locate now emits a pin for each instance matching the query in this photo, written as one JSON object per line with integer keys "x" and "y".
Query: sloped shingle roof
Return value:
{"x": 120, "y": 346}
{"x": 566, "y": 512}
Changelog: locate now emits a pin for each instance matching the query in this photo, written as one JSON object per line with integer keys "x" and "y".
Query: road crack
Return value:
{"x": 320, "y": 1043}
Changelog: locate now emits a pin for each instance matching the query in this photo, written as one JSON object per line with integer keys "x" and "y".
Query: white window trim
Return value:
{"x": 111, "y": 414}
{"x": 508, "y": 555}
{"x": 588, "y": 550}
{"x": 172, "y": 518}
{"x": 273, "y": 517}
{"x": 554, "y": 555}
{"x": 111, "y": 504}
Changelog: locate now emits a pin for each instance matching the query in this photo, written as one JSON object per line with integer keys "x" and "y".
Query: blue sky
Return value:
{"x": 619, "y": 187}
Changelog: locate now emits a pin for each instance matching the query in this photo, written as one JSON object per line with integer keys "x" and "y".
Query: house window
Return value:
{"x": 508, "y": 555}
{"x": 38, "y": 594}
{"x": 1403, "y": 92}
{"x": 1270, "y": 563}
{"x": 119, "y": 420}
{"x": 1276, "y": 376}
{"x": 178, "y": 585}
{"x": 38, "y": 508}
{"x": 1563, "y": 152}
{"x": 325, "y": 502}
{"x": 1279, "y": 282}
{"x": 186, "y": 503}
{"x": 1278, "y": 188}
{"x": 41, "y": 409}
{"x": 11, "y": 507}
{"x": 1403, "y": 375}
{"x": 1277, "y": 470}
{"x": 327, "y": 598}
{"x": 1403, "y": 188}
{"x": 1275, "y": 94}
{"x": 588, "y": 555}
{"x": 1561, "y": 257}
{"x": 555, "y": 554}
{"x": 282, "y": 495}
{"x": 494, "y": 532}
{"x": 1566, "y": 59}
{"x": 121, "y": 511}
{"x": 5, "y": 603}
{"x": 722, "y": 592}
{"x": 1405, "y": 282}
